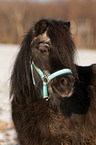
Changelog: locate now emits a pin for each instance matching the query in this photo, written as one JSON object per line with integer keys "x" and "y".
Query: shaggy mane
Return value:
{"x": 68, "y": 115}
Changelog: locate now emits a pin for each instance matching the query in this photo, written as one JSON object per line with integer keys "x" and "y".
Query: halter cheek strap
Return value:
{"x": 46, "y": 79}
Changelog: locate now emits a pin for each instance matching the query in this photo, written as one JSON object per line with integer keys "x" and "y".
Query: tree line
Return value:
{"x": 16, "y": 17}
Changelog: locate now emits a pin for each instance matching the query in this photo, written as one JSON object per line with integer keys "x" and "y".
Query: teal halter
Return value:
{"x": 46, "y": 79}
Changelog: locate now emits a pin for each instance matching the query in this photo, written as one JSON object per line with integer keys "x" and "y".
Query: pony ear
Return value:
{"x": 40, "y": 27}
{"x": 67, "y": 24}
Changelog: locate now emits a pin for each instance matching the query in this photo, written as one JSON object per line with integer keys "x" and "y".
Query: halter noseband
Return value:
{"x": 46, "y": 79}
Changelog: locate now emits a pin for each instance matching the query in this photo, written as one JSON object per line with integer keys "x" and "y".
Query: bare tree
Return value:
{"x": 17, "y": 16}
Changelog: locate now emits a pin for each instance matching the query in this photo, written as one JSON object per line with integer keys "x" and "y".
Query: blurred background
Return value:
{"x": 16, "y": 18}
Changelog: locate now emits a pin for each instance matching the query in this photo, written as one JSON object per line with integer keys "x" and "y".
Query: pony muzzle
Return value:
{"x": 46, "y": 79}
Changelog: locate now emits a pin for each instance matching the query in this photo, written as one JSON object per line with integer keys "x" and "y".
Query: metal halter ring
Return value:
{"x": 45, "y": 79}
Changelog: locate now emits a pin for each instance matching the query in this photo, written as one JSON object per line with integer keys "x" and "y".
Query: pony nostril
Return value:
{"x": 63, "y": 82}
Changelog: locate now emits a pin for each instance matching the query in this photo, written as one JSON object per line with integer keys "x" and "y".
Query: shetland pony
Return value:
{"x": 68, "y": 115}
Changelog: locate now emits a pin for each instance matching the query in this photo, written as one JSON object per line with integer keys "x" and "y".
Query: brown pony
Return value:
{"x": 68, "y": 115}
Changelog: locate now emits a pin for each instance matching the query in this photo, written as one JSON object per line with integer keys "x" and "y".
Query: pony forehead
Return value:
{"x": 42, "y": 37}
{"x": 45, "y": 37}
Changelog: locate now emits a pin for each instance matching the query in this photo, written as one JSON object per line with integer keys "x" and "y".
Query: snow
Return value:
{"x": 86, "y": 57}
{"x": 7, "y": 57}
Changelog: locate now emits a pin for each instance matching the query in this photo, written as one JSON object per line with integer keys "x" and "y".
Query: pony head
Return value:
{"x": 49, "y": 45}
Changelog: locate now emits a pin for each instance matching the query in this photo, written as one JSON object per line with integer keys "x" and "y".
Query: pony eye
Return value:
{"x": 43, "y": 50}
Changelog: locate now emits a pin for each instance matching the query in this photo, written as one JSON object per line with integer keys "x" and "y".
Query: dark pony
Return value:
{"x": 68, "y": 116}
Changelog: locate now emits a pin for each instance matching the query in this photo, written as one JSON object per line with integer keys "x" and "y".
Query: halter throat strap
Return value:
{"x": 47, "y": 78}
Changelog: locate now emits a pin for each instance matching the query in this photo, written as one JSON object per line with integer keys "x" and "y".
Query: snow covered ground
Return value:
{"x": 7, "y": 57}
{"x": 86, "y": 57}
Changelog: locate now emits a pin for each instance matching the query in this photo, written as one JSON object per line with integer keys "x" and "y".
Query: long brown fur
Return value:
{"x": 69, "y": 116}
